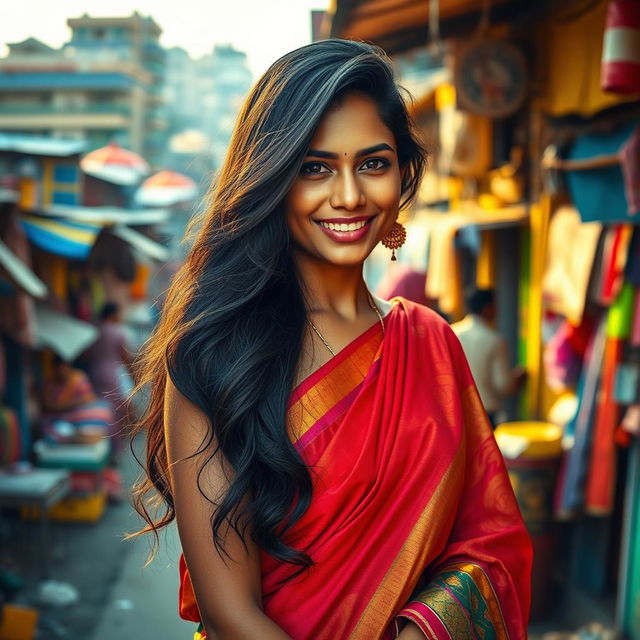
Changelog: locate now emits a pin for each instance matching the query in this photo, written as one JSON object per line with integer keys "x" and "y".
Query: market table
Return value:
{"x": 40, "y": 488}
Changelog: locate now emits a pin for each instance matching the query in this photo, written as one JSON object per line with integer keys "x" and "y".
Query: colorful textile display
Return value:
{"x": 411, "y": 496}
{"x": 614, "y": 261}
{"x": 601, "y": 477}
{"x": 621, "y": 314}
{"x": 570, "y": 491}
{"x": 632, "y": 270}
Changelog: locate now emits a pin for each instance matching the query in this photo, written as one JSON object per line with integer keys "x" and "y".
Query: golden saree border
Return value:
{"x": 314, "y": 398}
{"x": 405, "y": 570}
{"x": 462, "y": 598}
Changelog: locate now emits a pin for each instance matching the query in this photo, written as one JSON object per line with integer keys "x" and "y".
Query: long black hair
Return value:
{"x": 232, "y": 327}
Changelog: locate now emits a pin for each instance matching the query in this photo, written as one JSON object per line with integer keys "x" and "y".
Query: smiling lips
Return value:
{"x": 345, "y": 229}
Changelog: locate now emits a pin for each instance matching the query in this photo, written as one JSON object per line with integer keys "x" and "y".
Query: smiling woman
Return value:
{"x": 325, "y": 454}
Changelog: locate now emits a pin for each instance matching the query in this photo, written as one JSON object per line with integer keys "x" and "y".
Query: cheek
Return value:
{"x": 386, "y": 193}
{"x": 303, "y": 199}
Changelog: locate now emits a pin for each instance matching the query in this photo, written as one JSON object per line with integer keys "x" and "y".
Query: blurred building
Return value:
{"x": 181, "y": 91}
{"x": 104, "y": 85}
{"x": 224, "y": 79}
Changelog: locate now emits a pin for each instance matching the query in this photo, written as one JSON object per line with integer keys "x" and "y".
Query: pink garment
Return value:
{"x": 105, "y": 358}
{"x": 630, "y": 161}
{"x": 401, "y": 280}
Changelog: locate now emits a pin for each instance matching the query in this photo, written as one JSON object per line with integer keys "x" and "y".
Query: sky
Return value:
{"x": 264, "y": 29}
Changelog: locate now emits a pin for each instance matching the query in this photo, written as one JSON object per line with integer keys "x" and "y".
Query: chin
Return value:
{"x": 351, "y": 257}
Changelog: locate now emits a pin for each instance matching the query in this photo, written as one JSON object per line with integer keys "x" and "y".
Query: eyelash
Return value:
{"x": 304, "y": 170}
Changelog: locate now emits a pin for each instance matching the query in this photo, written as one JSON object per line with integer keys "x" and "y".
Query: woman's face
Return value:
{"x": 346, "y": 197}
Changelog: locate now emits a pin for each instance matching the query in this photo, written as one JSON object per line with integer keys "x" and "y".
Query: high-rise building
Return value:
{"x": 224, "y": 79}
{"x": 105, "y": 84}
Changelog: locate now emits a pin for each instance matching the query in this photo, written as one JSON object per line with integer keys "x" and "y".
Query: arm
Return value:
{"x": 502, "y": 376}
{"x": 228, "y": 591}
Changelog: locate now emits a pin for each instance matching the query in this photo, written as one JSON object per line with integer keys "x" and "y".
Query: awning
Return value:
{"x": 40, "y": 146}
{"x": 400, "y": 25}
{"x": 20, "y": 274}
{"x": 67, "y": 336}
{"x": 62, "y": 237}
{"x": 106, "y": 215}
{"x": 141, "y": 243}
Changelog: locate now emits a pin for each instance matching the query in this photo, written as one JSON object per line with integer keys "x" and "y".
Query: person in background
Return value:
{"x": 71, "y": 410}
{"x": 105, "y": 357}
{"x": 487, "y": 353}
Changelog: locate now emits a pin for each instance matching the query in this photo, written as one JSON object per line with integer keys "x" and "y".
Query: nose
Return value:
{"x": 347, "y": 192}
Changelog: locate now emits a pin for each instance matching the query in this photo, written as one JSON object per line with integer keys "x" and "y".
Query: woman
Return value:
{"x": 325, "y": 454}
{"x": 71, "y": 410}
{"x": 105, "y": 358}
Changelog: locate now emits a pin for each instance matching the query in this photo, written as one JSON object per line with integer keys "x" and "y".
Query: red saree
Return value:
{"x": 412, "y": 516}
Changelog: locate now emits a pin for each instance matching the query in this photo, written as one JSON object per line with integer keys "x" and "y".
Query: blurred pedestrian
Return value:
{"x": 105, "y": 360}
{"x": 71, "y": 410}
{"x": 487, "y": 353}
{"x": 324, "y": 452}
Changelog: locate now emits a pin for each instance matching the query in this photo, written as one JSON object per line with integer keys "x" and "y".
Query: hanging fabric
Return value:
{"x": 599, "y": 193}
{"x": 621, "y": 48}
{"x": 615, "y": 262}
{"x": 571, "y": 251}
{"x": 570, "y": 489}
{"x": 630, "y": 163}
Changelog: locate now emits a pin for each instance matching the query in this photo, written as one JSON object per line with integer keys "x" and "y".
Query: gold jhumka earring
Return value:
{"x": 395, "y": 238}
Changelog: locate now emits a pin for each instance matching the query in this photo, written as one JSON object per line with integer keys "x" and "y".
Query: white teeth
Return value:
{"x": 343, "y": 226}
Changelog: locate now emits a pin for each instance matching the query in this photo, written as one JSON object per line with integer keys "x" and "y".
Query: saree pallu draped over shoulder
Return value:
{"x": 412, "y": 516}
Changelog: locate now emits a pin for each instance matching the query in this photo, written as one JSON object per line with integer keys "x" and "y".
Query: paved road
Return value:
{"x": 143, "y": 602}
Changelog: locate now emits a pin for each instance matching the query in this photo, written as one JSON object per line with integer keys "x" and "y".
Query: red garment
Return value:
{"x": 411, "y": 496}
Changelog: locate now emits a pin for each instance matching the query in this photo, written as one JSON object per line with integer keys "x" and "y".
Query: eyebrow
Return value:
{"x": 318, "y": 153}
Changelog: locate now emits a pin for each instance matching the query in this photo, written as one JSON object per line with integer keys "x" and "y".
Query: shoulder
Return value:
{"x": 419, "y": 312}
{"x": 424, "y": 321}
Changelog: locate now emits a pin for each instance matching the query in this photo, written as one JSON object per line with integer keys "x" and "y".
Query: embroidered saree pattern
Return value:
{"x": 410, "y": 496}
{"x": 462, "y": 601}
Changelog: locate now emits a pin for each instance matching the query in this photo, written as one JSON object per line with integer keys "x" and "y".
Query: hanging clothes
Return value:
{"x": 571, "y": 250}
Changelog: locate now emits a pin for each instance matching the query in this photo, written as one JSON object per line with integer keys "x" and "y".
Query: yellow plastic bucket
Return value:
{"x": 529, "y": 440}
{"x": 532, "y": 453}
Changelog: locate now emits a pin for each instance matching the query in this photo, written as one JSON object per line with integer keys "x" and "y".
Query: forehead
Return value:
{"x": 352, "y": 124}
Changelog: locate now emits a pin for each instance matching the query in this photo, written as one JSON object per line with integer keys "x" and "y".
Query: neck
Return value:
{"x": 332, "y": 288}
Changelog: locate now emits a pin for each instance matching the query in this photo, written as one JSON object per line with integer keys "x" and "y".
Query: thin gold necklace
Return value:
{"x": 373, "y": 306}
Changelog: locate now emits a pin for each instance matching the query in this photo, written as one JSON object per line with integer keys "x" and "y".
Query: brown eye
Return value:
{"x": 313, "y": 168}
{"x": 375, "y": 164}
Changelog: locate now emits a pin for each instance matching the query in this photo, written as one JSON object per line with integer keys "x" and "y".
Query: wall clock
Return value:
{"x": 490, "y": 78}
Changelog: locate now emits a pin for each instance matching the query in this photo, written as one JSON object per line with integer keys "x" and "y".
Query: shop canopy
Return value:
{"x": 75, "y": 240}
{"x": 166, "y": 188}
{"x": 106, "y": 215}
{"x": 63, "y": 237}
{"x": 115, "y": 164}
{"x": 400, "y": 25}
{"x": 20, "y": 274}
{"x": 65, "y": 335}
{"x": 141, "y": 243}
